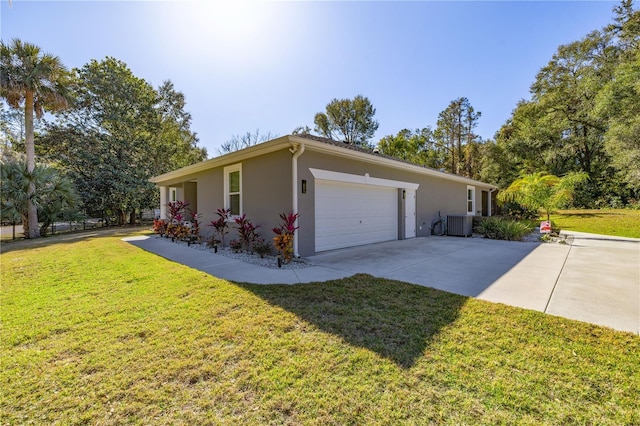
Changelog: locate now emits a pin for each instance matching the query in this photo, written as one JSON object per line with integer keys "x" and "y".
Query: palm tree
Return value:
{"x": 55, "y": 193}
{"x": 543, "y": 191}
{"x": 40, "y": 81}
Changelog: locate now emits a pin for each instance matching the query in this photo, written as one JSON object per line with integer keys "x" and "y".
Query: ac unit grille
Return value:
{"x": 460, "y": 225}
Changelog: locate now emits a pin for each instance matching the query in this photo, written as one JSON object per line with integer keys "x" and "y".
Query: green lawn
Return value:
{"x": 97, "y": 331}
{"x": 618, "y": 222}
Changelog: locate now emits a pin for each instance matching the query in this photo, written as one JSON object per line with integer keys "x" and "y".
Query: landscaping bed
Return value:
{"x": 267, "y": 261}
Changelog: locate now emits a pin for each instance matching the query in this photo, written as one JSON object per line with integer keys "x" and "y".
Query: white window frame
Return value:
{"x": 227, "y": 171}
{"x": 471, "y": 212}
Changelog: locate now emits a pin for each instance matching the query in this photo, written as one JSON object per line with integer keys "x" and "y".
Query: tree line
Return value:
{"x": 108, "y": 134}
{"x": 111, "y": 131}
{"x": 583, "y": 117}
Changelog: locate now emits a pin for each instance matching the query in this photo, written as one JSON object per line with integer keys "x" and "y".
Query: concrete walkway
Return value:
{"x": 594, "y": 279}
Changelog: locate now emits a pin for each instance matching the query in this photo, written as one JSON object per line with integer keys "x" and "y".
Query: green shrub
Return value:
{"x": 262, "y": 248}
{"x": 236, "y": 246}
{"x": 477, "y": 220}
{"x": 519, "y": 212}
{"x": 633, "y": 205}
{"x": 497, "y": 228}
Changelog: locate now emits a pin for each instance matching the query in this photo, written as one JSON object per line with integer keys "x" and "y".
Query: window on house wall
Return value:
{"x": 471, "y": 200}
{"x": 233, "y": 189}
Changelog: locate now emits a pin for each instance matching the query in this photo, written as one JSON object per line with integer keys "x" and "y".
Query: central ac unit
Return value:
{"x": 459, "y": 225}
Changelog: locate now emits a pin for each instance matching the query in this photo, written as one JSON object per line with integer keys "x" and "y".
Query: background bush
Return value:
{"x": 498, "y": 228}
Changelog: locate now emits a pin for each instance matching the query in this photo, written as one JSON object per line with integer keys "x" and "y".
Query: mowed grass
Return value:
{"x": 97, "y": 331}
{"x": 617, "y": 222}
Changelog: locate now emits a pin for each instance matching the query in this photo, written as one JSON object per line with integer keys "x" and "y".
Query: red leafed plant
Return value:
{"x": 288, "y": 225}
{"x": 177, "y": 210}
{"x": 160, "y": 226}
{"x": 221, "y": 224}
{"x": 283, "y": 241}
{"x": 247, "y": 232}
{"x": 195, "y": 228}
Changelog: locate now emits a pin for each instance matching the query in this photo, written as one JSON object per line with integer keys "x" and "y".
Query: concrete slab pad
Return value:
{"x": 178, "y": 253}
{"x": 375, "y": 259}
{"x": 320, "y": 274}
{"x": 600, "y": 283}
{"x": 468, "y": 278}
{"x": 597, "y": 279}
{"x": 530, "y": 282}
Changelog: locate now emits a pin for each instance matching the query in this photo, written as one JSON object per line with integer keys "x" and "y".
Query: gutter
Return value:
{"x": 296, "y": 149}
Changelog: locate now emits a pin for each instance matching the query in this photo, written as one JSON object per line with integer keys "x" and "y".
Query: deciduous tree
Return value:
{"x": 349, "y": 120}
{"x": 120, "y": 133}
{"x": 618, "y": 103}
{"x": 238, "y": 142}
{"x": 417, "y": 146}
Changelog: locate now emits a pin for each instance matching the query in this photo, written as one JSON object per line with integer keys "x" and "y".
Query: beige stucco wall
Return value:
{"x": 190, "y": 191}
{"x": 266, "y": 192}
{"x": 210, "y": 197}
{"x": 433, "y": 194}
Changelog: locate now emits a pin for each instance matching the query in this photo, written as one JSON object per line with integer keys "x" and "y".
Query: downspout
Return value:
{"x": 296, "y": 150}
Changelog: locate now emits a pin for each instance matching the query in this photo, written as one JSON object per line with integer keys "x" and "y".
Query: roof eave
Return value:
{"x": 188, "y": 172}
{"x": 375, "y": 159}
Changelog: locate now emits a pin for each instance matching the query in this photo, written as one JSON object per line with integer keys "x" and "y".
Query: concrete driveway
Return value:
{"x": 595, "y": 278}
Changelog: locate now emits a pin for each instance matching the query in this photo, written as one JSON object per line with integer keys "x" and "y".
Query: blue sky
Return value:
{"x": 273, "y": 65}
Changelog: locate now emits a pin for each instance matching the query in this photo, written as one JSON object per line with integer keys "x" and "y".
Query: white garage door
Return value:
{"x": 351, "y": 214}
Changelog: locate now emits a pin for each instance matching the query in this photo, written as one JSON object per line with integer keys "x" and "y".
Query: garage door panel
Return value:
{"x": 350, "y": 214}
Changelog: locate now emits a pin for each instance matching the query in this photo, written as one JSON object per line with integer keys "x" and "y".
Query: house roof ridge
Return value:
{"x": 269, "y": 146}
{"x": 348, "y": 145}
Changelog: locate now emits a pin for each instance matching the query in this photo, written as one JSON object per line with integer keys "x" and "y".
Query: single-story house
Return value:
{"x": 345, "y": 195}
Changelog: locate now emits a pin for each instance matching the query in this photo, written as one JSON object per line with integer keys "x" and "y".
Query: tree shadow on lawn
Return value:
{"x": 392, "y": 318}
{"x": 72, "y": 237}
{"x": 585, "y": 215}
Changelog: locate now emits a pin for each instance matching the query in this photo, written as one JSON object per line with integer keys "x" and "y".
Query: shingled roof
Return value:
{"x": 353, "y": 147}
{"x": 279, "y": 143}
